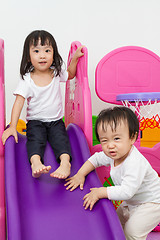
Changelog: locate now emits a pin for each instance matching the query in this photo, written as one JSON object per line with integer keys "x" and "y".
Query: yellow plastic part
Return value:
{"x": 150, "y": 137}
{"x": 21, "y": 127}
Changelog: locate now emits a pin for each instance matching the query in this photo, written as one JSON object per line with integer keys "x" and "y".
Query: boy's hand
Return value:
{"x": 75, "y": 181}
{"x": 9, "y": 132}
{"x": 95, "y": 194}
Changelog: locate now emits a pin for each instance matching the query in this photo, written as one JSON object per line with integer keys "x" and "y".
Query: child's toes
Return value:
{"x": 48, "y": 168}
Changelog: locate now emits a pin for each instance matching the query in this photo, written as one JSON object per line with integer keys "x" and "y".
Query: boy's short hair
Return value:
{"x": 113, "y": 116}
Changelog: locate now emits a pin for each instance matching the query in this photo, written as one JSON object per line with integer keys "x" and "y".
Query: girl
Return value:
{"x": 41, "y": 73}
{"x": 136, "y": 182}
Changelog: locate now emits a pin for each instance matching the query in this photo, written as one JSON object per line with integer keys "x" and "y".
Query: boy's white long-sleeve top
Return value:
{"x": 135, "y": 180}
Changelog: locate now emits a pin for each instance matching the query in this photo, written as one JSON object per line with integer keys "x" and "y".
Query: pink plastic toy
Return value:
{"x": 124, "y": 70}
{"x": 129, "y": 70}
{"x": 28, "y": 220}
{"x": 2, "y": 125}
{"x": 78, "y": 108}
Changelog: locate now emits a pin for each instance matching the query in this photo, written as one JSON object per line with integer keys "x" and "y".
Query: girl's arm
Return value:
{"x": 16, "y": 111}
{"x": 79, "y": 178}
{"x": 73, "y": 64}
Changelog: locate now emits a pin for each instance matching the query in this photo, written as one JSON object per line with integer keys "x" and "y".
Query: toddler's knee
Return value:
{"x": 130, "y": 232}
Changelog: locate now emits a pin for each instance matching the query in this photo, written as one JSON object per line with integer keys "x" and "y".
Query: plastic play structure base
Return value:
{"x": 39, "y": 209}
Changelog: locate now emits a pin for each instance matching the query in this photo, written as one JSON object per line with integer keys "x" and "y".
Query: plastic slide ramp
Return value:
{"x": 42, "y": 208}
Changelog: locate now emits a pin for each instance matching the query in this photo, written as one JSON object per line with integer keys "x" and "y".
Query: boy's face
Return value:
{"x": 116, "y": 143}
{"x": 41, "y": 56}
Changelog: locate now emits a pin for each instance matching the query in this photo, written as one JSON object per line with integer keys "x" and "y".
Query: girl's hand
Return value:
{"x": 95, "y": 194}
{"x": 72, "y": 68}
{"x": 11, "y": 131}
{"x": 79, "y": 53}
{"x": 75, "y": 181}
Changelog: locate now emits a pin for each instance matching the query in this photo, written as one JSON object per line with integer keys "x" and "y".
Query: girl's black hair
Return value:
{"x": 32, "y": 39}
{"x": 113, "y": 116}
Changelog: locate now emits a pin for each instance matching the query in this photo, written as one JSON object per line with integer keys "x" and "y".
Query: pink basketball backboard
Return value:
{"x": 127, "y": 70}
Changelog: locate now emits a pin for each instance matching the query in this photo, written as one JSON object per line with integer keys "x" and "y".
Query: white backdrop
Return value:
{"x": 101, "y": 25}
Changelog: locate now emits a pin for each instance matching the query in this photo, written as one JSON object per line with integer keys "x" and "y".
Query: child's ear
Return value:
{"x": 134, "y": 137}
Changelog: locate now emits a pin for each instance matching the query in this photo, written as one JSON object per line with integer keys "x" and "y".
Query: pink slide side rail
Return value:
{"x": 78, "y": 108}
{"x": 2, "y": 126}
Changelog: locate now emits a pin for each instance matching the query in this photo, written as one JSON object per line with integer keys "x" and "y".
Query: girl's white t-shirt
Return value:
{"x": 43, "y": 103}
{"x": 135, "y": 181}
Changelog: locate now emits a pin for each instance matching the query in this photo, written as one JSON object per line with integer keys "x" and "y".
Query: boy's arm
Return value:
{"x": 73, "y": 64}
{"x": 16, "y": 111}
{"x": 93, "y": 196}
{"x": 79, "y": 178}
{"x": 86, "y": 168}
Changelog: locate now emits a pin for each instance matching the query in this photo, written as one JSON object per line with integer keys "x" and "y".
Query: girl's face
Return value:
{"x": 41, "y": 57}
{"x": 116, "y": 143}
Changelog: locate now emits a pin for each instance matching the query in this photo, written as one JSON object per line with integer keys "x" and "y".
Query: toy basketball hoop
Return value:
{"x": 146, "y": 107}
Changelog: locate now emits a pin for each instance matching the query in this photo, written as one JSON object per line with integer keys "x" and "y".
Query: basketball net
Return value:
{"x": 147, "y": 112}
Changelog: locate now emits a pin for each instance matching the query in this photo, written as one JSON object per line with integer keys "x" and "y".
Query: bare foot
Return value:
{"x": 63, "y": 171}
{"x": 38, "y": 169}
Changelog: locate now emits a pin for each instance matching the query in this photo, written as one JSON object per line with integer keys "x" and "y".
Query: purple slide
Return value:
{"x": 42, "y": 208}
